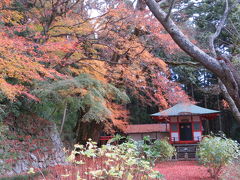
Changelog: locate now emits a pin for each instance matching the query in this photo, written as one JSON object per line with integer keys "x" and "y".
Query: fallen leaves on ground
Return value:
{"x": 183, "y": 170}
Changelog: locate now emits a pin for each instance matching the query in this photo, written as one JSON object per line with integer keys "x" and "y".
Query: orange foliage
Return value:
{"x": 128, "y": 38}
{"x": 4, "y": 3}
{"x": 168, "y": 93}
{"x": 225, "y": 104}
{"x": 116, "y": 47}
{"x": 119, "y": 117}
{"x": 17, "y": 63}
{"x": 10, "y": 90}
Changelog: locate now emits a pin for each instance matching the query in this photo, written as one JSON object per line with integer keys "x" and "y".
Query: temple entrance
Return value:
{"x": 185, "y": 131}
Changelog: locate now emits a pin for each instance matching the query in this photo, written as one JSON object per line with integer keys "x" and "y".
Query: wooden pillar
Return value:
{"x": 178, "y": 128}
{"x": 192, "y": 127}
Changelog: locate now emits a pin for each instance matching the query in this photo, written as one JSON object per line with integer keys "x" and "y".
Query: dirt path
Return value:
{"x": 183, "y": 170}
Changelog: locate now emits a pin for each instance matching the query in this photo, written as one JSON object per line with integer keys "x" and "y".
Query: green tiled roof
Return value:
{"x": 185, "y": 108}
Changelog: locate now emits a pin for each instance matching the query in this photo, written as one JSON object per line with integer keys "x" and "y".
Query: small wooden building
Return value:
{"x": 154, "y": 131}
{"x": 185, "y": 122}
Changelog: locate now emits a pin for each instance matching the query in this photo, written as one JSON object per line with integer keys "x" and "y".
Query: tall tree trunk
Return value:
{"x": 88, "y": 130}
{"x": 85, "y": 130}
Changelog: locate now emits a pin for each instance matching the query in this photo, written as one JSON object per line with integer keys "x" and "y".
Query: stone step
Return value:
{"x": 185, "y": 151}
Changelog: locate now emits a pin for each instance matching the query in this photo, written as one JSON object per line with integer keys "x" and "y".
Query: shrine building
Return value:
{"x": 185, "y": 122}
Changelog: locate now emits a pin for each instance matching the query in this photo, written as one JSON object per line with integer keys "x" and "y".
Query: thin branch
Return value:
{"x": 80, "y": 23}
{"x": 64, "y": 118}
{"x": 230, "y": 101}
{"x": 218, "y": 30}
{"x": 170, "y": 10}
{"x": 231, "y": 80}
{"x": 234, "y": 27}
{"x": 96, "y": 59}
{"x": 161, "y": 2}
{"x": 188, "y": 63}
{"x": 144, "y": 48}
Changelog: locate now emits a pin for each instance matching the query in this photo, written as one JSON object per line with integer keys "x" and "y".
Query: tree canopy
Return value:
{"x": 83, "y": 57}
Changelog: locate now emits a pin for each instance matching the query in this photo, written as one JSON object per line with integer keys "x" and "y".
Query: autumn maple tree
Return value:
{"x": 19, "y": 64}
{"x": 50, "y": 47}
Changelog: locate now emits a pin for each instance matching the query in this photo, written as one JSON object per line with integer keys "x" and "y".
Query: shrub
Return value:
{"x": 158, "y": 150}
{"x": 164, "y": 148}
{"x": 122, "y": 161}
{"x": 217, "y": 152}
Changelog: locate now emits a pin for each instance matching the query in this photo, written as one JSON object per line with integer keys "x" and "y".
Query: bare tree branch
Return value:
{"x": 170, "y": 10}
{"x": 230, "y": 101}
{"x": 235, "y": 29}
{"x": 209, "y": 62}
{"x": 218, "y": 30}
{"x": 188, "y": 63}
{"x": 225, "y": 67}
